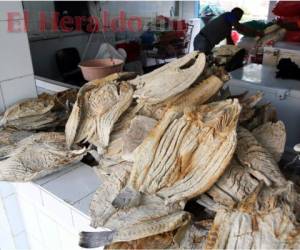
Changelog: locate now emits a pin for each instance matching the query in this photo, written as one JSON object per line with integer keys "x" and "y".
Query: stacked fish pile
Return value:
{"x": 162, "y": 141}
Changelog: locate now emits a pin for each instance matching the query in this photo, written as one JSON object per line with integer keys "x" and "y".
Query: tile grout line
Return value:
{"x": 62, "y": 174}
{"x": 17, "y": 77}
{"x": 73, "y": 203}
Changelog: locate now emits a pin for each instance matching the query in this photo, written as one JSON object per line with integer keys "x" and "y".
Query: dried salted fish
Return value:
{"x": 160, "y": 241}
{"x": 197, "y": 95}
{"x": 192, "y": 236}
{"x": 9, "y": 139}
{"x": 136, "y": 133}
{"x": 136, "y": 231}
{"x": 175, "y": 160}
{"x": 169, "y": 80}
{"x": 248, "y": 104}
{"x": 242, "y": 177}
{"x": 203, "y": 139}
{"x": 113, "y": 180}
{"x": 273, "y": 34}
{"x": 98, "y": 106}
{"x": 225, "y": 50}
{"x": 259, "y": 160}
{"x": 235, "y": 185}
{"x": 263, "y": 114}
{"x": 46, "y": 111}
{"x": 196, "y": 234}
{"x": 273, "y": 137}
{"x": 37, "y": 156}
{"x": 259, "y": 222}
{"x": 28, "y": 108}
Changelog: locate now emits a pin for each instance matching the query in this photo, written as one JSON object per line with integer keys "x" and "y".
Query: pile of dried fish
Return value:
{"x": 36, "y": 156}
{"x": 26, "y": 155}
{"x": 181, "y": 143}
{"x": 46, "y": 111}
{"x": 164, "y": 140}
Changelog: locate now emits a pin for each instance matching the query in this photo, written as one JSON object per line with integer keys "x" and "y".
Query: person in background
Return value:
{"x": 220, "y": 28}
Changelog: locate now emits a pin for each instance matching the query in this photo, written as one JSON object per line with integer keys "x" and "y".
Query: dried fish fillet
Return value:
{"x": 136, "y": 231}
{"x": 195, "y": 236}
{"x": 28, "y": 108}
{"x": 235, "y": 185}
{"x": 239, "y": 181}
{"x": 156, "y": 193}
{"x": 46, "y": 111}
{"x": 170, "y": 79}
{"x": 96, "y": 110}
{"x": 136, "y": 133}
{"x": 248, "y": 103}
{"x": 9, "y": 139}
{"x": 174, "y": 160}
{"x": 196, "y": 95}
{"x": 273, "y": 33}
{"x": 273, "y": 137}
{"x": 160, "y": 241}
{"x": 259, "y": 160}
{"x": 265, "y": 222}
{"x": 37, "y": 156}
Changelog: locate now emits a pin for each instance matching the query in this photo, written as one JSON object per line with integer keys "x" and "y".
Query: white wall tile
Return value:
{"x": 84, "y": 204}
{"x": 13, "y": 214}
{"x": 11, "y": 6}
{"x": 6, "y": 240}
{"x": 15, "y": 54}
{"x": 29, "y": 191}
{"x": 21, "y": 241}
{"x": 81, "y": 221}
{"x": 36, "y": 244}
{"x": 4, "y": 224}
{"x": 18, "y": 89}
{"x": 70, "y": 240}
{"x": 30, "y": 218}
{"x": 50, "y": 233}
{"x": 58, "y": 209}
{"x": 74, "y": 185}
{"x": 6, "y": 189}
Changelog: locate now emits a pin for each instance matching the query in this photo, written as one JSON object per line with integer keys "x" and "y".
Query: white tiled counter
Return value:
{"x": 49, "y": 213}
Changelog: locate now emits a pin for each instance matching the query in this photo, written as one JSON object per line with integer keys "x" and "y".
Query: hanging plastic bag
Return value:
{"x": 108, "y": 51}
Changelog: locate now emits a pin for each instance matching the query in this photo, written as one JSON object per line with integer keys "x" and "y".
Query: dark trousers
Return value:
{"x": 202, "y": 44}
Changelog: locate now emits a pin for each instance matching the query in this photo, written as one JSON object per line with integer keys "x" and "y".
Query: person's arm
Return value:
{"x": 243, "y": 29}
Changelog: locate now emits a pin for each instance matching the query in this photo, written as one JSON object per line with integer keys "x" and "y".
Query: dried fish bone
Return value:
{"x": 37, "y": 156}
{"x": 170, "y": 79}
